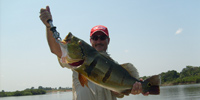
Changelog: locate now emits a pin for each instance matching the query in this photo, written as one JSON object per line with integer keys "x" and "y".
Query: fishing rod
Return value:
{"x": 56, "y": 34}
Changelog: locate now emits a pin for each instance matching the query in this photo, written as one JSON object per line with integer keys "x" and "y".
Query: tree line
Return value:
{"x": 188, "y": 75}
{"x": 59, "y": 88}
{"x": 22, "y": 93}
{"x": 32, "y": 91}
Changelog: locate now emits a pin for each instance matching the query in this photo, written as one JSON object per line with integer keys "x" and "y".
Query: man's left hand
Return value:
{"x": 137, "y": 89}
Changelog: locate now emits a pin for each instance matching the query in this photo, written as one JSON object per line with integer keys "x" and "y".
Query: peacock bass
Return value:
{"x": 100, "y": 69}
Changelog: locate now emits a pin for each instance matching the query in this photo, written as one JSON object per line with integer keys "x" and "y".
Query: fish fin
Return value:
{"x": 105, "y": 54}
{"x": 82, "y": 80}
{"x": 153, "y": 84}
{"x": 131, "y": 70}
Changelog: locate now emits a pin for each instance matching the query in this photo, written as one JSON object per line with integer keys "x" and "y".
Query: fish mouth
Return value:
{"x": 76, "y": 64}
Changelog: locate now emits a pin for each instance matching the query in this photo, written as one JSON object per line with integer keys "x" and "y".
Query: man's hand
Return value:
{"x": 45, "y": 15}
{"x": 137, "y": 89}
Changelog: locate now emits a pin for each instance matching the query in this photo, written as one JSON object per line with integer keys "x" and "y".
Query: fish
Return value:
{"x": 100, "y": 69}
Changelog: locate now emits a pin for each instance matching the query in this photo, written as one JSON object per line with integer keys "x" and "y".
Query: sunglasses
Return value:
{"x": 96, "y": 37}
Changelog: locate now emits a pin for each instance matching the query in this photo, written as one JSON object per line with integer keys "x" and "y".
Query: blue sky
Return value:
{"x": 155, "y": 36}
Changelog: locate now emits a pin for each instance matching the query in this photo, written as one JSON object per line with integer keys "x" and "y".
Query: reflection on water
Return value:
{"x": 181, "y": 92}
{"x": 48, "y": 96}
{"x": 178, "y": 92}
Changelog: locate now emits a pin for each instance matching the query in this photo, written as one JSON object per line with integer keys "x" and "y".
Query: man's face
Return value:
{"x": 99, "y": 41}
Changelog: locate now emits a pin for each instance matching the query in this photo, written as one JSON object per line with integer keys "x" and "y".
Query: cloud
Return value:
{"x": 126, "y": 51}
{"x": 179, "y": 31}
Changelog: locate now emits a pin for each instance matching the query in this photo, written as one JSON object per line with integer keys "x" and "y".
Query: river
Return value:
{"x": 177, "y": 92}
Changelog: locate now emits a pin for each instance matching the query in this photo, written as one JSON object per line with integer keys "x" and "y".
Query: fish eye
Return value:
{"x": 149, "y": 84}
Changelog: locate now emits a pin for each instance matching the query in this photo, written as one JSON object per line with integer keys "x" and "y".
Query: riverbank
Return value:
{"x": 31, "y": 92}
{"x": 171, "y": 84}
{"x": 188, "y": 75}
{"x": 23, "y": 93}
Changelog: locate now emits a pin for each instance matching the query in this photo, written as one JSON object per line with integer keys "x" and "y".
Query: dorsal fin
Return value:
{"x": 128, "y": 66}
{"x": 105, "y": 54}
{"x": 131, "y": 70}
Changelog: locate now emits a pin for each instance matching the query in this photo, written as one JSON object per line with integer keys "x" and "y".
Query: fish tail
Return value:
{"x": 152, "y": 85}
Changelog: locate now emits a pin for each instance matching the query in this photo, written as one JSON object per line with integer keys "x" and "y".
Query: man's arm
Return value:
{"x": 53, "y": 45}
{"x": 45, "y": 15}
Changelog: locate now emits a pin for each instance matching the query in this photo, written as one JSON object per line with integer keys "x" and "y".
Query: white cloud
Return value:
{"x": 179, "y": 31}
{"x": 126, "y": 51}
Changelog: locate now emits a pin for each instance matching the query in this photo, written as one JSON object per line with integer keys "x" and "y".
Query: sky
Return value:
{"x": 154, "y": 35}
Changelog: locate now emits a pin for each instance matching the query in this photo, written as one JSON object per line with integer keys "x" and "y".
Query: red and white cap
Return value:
{"x": 99, "y": 28}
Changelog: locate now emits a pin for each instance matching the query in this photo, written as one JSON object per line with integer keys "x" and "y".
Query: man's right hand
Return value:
{"x": 45, "y": 15}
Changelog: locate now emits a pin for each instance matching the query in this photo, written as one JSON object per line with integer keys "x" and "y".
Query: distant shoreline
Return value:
{"x": 23, "y": 93}
{"x": 48, "y": 91}
{"x": 30, "y": 92}
{"x": 171, "y": 84}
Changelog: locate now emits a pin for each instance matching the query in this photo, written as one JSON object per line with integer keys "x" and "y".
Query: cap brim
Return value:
{"x": 100, "y": 31}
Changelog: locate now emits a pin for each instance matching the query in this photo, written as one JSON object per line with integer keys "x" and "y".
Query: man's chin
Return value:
{"x": 99, "y": 48}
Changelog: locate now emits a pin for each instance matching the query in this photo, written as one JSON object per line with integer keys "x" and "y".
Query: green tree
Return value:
{"x": 190, "y": 71}
{"x": 32, "y": 87}
{"x": 40, "y": 87}
{"x": 3, "y": 94}
{"x": 169, "y": 76}
{"x": 18, "y": 93}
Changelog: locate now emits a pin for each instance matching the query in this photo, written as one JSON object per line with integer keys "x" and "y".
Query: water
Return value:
{"x": 48, "y": 96}
{"x": 178, "y": 92}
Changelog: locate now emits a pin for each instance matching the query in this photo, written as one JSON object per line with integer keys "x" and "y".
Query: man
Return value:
{"x": 99, "y": 39}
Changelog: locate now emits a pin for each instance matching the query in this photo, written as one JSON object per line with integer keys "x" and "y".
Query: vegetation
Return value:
{"x": 188, "y": 75}
{"x": 32, "y": 91}
{"x": 22, "y": 93}
{"x": 49, "y": 89}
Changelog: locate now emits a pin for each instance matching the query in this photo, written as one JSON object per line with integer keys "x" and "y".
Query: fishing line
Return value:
{"x": 56, "y": 34}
